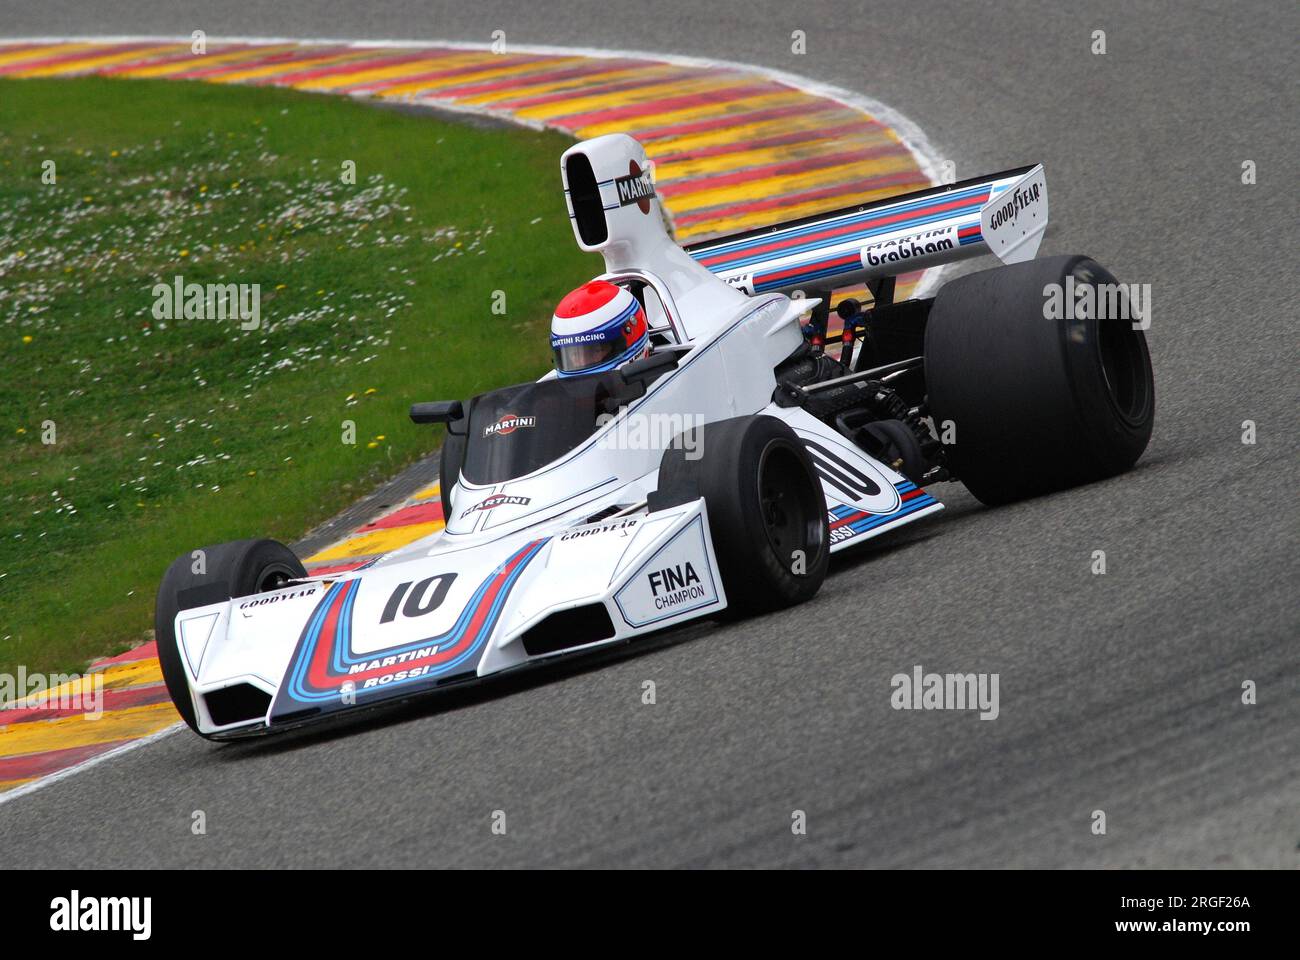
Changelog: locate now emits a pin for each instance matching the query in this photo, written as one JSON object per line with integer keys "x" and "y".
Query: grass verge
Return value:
{"x": 127, "y": 437}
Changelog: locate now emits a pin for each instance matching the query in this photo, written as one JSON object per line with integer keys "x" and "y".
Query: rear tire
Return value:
{"x": 764, "y": 503}
{"x": 236, "y": 569}
{"x": 1038, "y": 404}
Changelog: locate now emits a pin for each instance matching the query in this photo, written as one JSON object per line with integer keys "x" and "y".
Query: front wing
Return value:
{"x": 402, "y": 629}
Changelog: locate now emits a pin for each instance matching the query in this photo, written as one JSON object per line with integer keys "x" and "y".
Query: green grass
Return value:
{"x": 172, "y": 434}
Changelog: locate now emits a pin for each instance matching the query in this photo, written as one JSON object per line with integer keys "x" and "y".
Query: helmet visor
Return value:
{"x": 589, "y": 351}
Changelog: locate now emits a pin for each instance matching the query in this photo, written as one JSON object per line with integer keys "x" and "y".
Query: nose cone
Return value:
{"x": 610, "y": 191}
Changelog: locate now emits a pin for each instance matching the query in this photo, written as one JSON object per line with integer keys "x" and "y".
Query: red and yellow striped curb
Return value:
{"x": 733, "y": 148}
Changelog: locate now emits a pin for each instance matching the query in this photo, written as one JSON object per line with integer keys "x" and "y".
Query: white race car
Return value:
{"x": 714, "y": 477}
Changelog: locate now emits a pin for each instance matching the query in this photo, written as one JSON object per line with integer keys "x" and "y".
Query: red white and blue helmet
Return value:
{"x": 596, "y": 328}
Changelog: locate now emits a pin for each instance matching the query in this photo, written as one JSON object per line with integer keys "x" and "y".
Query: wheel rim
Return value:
{"x": 274, "y": 576}
{"x": 1123, "y": 368}
{"x": 788, "y": 505}
{"x": 1122, "y": 353}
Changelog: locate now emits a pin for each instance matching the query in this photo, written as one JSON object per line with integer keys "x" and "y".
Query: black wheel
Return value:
{"x": 1038, "y": 404}
{"x": 236, "y": 569}
{"x": 450, "y": 459}
{"x": 892, "y": 442}
{"x": 767, "y": 514}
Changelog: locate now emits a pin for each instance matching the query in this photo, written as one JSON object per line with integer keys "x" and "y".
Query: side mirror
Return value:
{"x": 437, "y": 411}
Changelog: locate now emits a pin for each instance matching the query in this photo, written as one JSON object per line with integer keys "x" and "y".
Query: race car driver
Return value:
{"x": 598, "y": 327}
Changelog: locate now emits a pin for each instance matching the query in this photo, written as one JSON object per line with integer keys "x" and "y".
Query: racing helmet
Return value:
{"x": 596, "y": 328}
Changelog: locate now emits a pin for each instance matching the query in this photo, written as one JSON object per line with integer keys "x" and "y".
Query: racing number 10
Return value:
{"x": 425, "y": 598}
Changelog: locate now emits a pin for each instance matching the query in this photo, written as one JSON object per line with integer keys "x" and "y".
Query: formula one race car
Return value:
{"x": 712, "y": 477}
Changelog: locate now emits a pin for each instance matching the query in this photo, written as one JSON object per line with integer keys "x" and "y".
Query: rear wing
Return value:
{"x": 1004, "y": 214}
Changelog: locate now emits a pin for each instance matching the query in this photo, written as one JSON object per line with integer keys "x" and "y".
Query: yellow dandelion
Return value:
{"x": 27, "y": 338}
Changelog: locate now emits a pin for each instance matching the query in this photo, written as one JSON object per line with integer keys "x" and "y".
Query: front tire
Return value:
{"x": 1038, "y": 404}
{"x": 236, "y": 569}
{"x": 767, "y": 514}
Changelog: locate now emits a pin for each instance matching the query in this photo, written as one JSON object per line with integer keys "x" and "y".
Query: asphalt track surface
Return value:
{"x": 1118, "y": 692}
